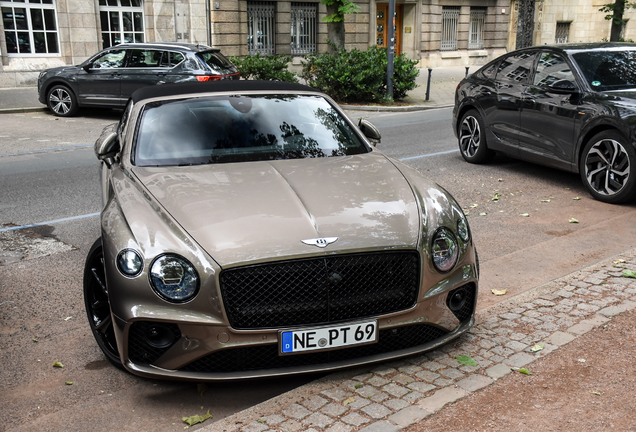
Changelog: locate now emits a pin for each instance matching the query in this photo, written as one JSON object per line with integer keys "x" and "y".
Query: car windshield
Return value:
{"x": 609, "y": 69}
{"x": 248, "y": 128}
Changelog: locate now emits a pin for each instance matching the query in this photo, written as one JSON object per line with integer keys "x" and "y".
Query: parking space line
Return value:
{"x": 50, "y": 222}
{"x": 46, "y": 149}
{"x": 429, "y": 155}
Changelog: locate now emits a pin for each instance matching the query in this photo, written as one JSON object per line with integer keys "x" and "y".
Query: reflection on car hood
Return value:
{"x": 628, "y": 96}
{"x": 246, "y": 212}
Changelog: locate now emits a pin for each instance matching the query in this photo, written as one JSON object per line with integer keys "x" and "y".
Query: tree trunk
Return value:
{"x": 617, "y": 21}
{"x": 335, "y": 30}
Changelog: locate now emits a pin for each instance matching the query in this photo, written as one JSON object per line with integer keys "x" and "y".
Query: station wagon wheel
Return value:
{"x": 97, "y": 304}
{"x": 606, "y": 167}
{"x": 472, "y": 139}
{"x": 61, "y": 100}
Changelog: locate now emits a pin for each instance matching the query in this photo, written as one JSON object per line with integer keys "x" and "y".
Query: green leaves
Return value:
{"x": 268, "y": 68}
{"x": 466, "y": 360}
{"x": 525, "y": 371}
{"x": 629, "y": 274}
{"x": 196, "y": 419}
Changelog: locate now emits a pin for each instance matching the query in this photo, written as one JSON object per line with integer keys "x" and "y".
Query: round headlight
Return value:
{"x": 444, "y": 250}
{"x": 129, "y": 263}
{"x": 462, "y": 230}
{"x": 174, "y": 278}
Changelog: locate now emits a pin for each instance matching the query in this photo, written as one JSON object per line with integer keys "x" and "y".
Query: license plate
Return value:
{"x": 327, "y": 338}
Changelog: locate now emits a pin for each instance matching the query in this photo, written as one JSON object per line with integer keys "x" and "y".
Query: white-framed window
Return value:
{"x": 562, "y": 32}
{"x": 261, "y": 27}
{"x": 450, "y": 23}
{"x": 303, "y": 28}
{"x": 122, "y": 21}
{"x": 476, "y": 29}
{"x": 30, "y": 27}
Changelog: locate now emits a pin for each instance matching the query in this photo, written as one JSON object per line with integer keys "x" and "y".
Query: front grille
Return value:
{"x": 139, "y": 350}
{"x": 320, "y": 290}
{"x": 266, "y": 356}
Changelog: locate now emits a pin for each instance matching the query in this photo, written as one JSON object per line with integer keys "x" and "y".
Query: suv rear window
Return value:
{"x": 217, "y": 62}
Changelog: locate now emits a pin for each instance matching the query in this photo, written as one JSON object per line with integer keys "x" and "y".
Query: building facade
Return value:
{"x": 39, "y": 34}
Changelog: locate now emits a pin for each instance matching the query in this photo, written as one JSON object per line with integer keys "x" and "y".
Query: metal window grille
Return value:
{"x": 562, "y": 32}
{"x": 30, "y": 27}
{"x": 122, "y": 21}
{"x": 260, "y": 28}
{"x": 303, "y": 28}
{"x": 450, "y": 22}
{"x": 476, "y": 34}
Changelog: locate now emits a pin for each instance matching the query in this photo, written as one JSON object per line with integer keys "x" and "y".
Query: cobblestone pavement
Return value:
{"x": 394, "y": 395}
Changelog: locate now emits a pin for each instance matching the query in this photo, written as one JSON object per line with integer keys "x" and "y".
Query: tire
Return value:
{"x": 97, "y": 305}
{"x": 606, "y": 166}
{"x": 472, "y": 139}
{"x": 62, "y": 101}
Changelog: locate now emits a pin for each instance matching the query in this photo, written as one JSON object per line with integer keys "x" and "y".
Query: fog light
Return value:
{"x": 457, "y": 300}
{"x": 159, "y": 336}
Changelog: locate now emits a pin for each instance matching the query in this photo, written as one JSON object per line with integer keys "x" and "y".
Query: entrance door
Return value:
{"x": 382, "y": 27}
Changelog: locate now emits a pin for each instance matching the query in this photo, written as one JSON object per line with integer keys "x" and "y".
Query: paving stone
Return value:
{"x": 255, "y": 427}
{"x": 509, "y": 323}
{"x": 314, "y": 403}
{"x": 509, "y": 316}
{"x": 334, "y": 409}
{"x": 381, "y": 426}
{"x": 487, "y": 344}
{"x": 548, "y": 318}
{"x": 376, "y": 411}
{"x": 296, "y": 411}
{"x": 502, "y": 351}
{"x": 383, "y": 370}
{"x": 395, "y": 390}
{"x": 564, "y": 293}
{"x": 597, "y": 320}
{"x": 443, "y": 382}
{"x": 516, "y": 346}
{"x": 551, "y": 327}
{"x": 581, "y": 291}
{"x": 471, "y": 369}
{"x": 516, "y": 336}
{"x": 318, "y": 420}
{"x": 410, "y": 415}
{"x": 427, "y": 376}
{"x": 363, "y": 377}
{"x": 355, "y": 419}
{"x": 442, "y": 397}
{"x": 449, "y": 362}
{"x": 274, "y": 419}
{"x": 367, "y": 391}
{"x": 413, "y": 396}
{"x": 291, "y": 426}
{"x": 587, "y": 307}
{"x": 451, "y": 373}
{"x": 532, "y": 313}
{"x": 560, "y": 338}
{"x": 617, "y": 309}
{"x": 403, "y": 379}
{"x": 520, "y": 359}
{"x": 381, "y": 396}
{"x": 497, "y": 358}
{"x": 474, "y": 382}
{"x": 434, "y": 355}
{"x": 358, "y": 403}
{"x": 497, "y": 371}
{"x": 421, "y": 387}
{"x": 528, "y": 320}
{"x": 543, "y": 302}
{"x": 410, "y": 369}
{"x": 581, "y": 328}
{"x": 339, "y": 427}
{"x": 396, "y": 404}
{"x": 500, "y": 340}
{"x": 336, "y": 394}
{"x": 432, "y": 366}
{"x": 378, "y": 381}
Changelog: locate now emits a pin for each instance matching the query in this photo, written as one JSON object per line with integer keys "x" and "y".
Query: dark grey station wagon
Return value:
{"x": 109, "y": 77}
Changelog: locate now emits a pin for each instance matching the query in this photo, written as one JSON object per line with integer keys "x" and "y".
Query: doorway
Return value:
{"x": 382, "y": 26}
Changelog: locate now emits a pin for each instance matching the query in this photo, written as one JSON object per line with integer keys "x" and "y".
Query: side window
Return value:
{"x": 516, "y": 68}
{"x": 144, "y": 58}
{"x": 552, "y": 68}
{"x": 170, "y": 59}
{"x": 491, "y": 71}
{"x": 109, "y": 60}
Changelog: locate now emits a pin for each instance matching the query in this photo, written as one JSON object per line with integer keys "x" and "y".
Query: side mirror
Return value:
{"x": 563, "y": 87}
{"x": 107, "y": 145}
{"x": 370, "y": 131}
{"x": 87, "y": 66}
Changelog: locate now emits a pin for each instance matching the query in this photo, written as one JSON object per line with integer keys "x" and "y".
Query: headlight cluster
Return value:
{"x": 174, "y": 279}
{"x": 445, "y": 247}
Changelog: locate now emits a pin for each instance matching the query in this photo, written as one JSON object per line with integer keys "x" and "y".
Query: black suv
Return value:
{"x": 108, "y": 78}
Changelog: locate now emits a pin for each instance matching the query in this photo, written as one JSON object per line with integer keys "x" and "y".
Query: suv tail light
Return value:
{"x": 217, "y": 77}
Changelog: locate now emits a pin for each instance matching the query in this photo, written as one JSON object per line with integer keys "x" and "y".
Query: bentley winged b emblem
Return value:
{"x": 320, "y": 242}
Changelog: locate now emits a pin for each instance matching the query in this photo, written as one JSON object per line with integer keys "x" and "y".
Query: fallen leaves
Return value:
{"x": 196, "y": 419}
{"x": 629, "y": 274}
{"x": 576, "y": 198}
{"x": 57, "y": 364}
{"x": 595, "y": 392}
{"x": 537, "y": 347}
{"x": 466, "y": 360}
{"x": 348, "y": 401}
{"x": 499, "y": 292}
{"x": 525, "y": 215}
{"x": 572, "y": 220}
{"x": 525, "y": 371}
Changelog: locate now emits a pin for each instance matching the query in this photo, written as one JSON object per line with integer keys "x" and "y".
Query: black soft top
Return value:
{"x": 238, "y": 86}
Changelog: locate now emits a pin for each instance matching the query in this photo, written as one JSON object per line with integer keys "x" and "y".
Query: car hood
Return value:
{"x": 254, "y": 211}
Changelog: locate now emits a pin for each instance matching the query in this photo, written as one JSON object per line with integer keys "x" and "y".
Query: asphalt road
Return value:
{"x": 48, "y": 172}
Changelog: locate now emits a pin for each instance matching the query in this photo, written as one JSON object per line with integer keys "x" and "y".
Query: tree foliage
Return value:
{"x": 614, "y": 12}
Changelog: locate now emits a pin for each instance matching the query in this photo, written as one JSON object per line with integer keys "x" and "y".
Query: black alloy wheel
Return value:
{"x": 97, "y": 305}
{"x": 62, "y": 101}
{"x": 472, "y": 139}
{"x": 605, "y": 167}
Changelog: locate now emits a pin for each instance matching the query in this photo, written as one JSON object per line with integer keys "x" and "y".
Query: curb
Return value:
{"x": 22, "y": 110}
{"x": 409, "y": 108}
{"x": 394, "y": 395}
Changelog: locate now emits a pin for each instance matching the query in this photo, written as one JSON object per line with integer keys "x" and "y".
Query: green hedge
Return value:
{"x": 359, "y": 76}
{"x": 269, "y": 68}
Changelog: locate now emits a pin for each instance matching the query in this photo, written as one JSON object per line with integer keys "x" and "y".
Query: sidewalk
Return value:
{"x": 442, "y": 94}
{"x": 507, "y": 337}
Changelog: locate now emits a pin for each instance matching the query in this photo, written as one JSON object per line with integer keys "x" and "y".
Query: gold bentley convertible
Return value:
{"x": 251, "y": 229}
